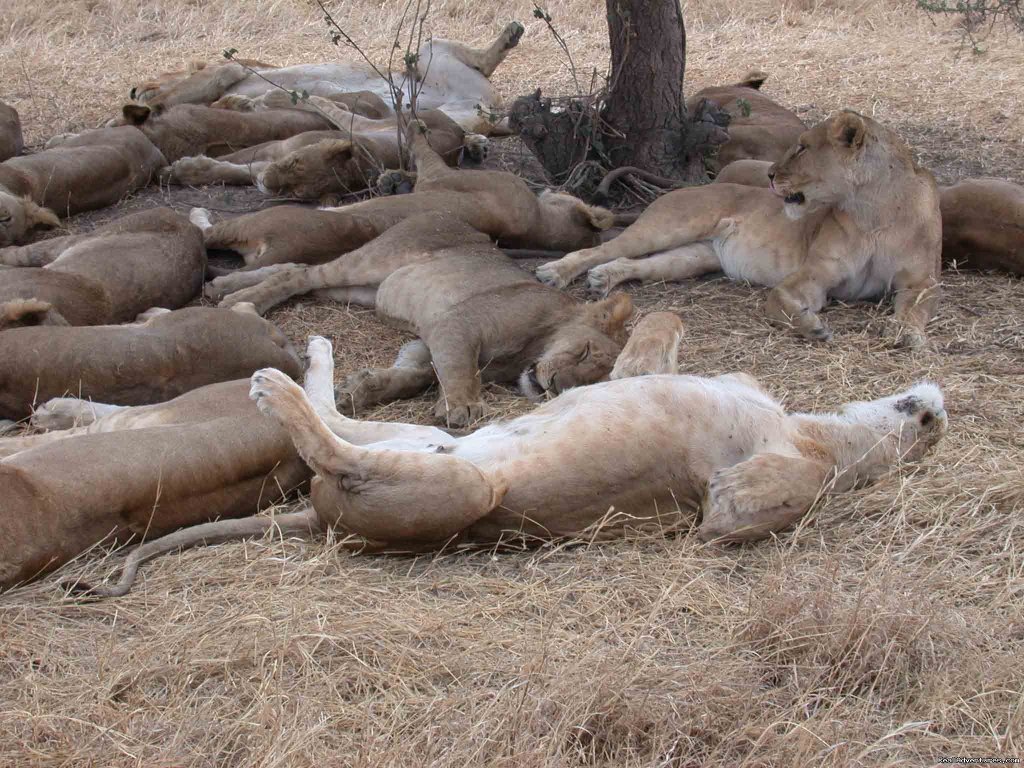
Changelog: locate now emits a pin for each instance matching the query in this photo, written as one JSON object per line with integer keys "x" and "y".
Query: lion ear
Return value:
{"x": 612, "y": 313}
{"x": 37, "y": 216}
{"x": 596, "y": 217}
{"x": 337, "y": 148}
{"x": 136, "y": 114}
{"x": 848, "y": 130}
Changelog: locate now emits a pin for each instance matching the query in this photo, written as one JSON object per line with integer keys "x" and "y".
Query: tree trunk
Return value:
{"x": 645, "y": 104}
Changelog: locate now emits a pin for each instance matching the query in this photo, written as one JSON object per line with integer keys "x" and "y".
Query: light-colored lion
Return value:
{"x": 92, "y": 170}
{"x": 982, "y": 219}
{"x": 851, "y": 216}
{"x": 168, "y": 355}
{"x": 11, "y": 141}
{"x": 478, "y": 315}
{"x": 496, "y": 203}
{"x": 150, "y": 259}
{"x": 759, "y": 128}
{"x": 637, "y": 453}
{"x": 321, "y": 165}
{"x": 450, "y": 76}
{"x": 136, "y": 473}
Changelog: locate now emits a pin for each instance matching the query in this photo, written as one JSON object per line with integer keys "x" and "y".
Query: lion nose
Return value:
{"x": 771, "y": 175}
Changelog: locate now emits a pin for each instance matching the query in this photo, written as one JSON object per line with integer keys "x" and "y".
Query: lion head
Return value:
{"x": 913, "y": 421}
{"x": 570, "y": 224}
{"x": 581, "y": 351}
{"x": 830, "y": 162}
{"x": 19, "y": 215}
{"x": 312, "y": 172}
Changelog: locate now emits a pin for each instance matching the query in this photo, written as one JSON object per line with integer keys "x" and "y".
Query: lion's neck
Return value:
{"x": 858, "y": 452}
{"x": 14, "y": 182}
{"x": 877, "y": 189}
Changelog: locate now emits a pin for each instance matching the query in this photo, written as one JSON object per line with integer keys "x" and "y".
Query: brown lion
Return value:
{"x": 113, "y": 274}
{"x": 479, "y": 317}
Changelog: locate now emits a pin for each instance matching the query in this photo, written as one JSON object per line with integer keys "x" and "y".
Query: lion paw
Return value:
{"x": 513, "y": 32}
{"x": 272, "y": 391}
{"x": 603, "y": 278}
{"x": 236, "y": 102}
{"x": 362, "y": 389}
{"x": 459, "y": 415}
{"x": 395, "y": 183}
{"x": 62, "y": 413}
{"x": 557, "y": 274}
{"x": 191, "y": 170}
{"x": 477, "y": 147}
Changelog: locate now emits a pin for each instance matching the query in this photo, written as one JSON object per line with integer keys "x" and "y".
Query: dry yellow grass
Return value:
{"x": 886, "y": 631}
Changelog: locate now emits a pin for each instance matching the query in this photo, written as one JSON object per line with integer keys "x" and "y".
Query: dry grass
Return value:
{"x": 887, "y": 631}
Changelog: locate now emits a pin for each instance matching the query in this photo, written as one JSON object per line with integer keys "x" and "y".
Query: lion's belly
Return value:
{"x": 641, "y": 448}
{"x": 758, "y": 250}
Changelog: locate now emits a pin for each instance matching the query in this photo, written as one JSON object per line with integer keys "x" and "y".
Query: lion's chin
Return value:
{"x": 794, "y": 211}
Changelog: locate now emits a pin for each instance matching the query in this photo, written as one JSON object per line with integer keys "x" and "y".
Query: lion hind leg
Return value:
{"x": 391, "y": 496}
{"x": 653, "y": 347}
{"x": 760, "y": 496}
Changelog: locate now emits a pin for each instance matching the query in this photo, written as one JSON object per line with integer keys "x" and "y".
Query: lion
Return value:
{"x": 137, "y": 473}
{"x": 89, "y": 171}
{"x": 759, "y": 128}
{"x": 450, "y": 76}
{"x": 321, "y": 165}
{"x": 496, "y": 203}
{"x": 479, "y": 317}
{"x": 641, "y": 453}
{"x": 653, "y": 347}
{"x": 154, "y": 258}
{"x": 11, "y": 141}
{"x": 168, "y": 354}
{"x": 983, "y": 225}
{"x": 362, "y": 103}
{"x": 850, "y": 216}
{"x": 186, "y": 130}
{"x": 982, "y": 219}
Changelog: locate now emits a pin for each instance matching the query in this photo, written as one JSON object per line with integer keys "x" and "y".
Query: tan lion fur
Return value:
{"x": 642, "y": 453}
{"x": 168, "y": 355}
{"x": 11, "y": 141}
{"x": 480, "y": 317}
{"x": 851, "y": 216}
{"x": 154, "y": 258}
{"x": 88, "y": 171}
{"x": 496, "y": 203}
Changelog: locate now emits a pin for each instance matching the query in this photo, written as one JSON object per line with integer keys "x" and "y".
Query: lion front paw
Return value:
{"x": 603, "y": 278}
{"x": 395, "y": 183}
{"x": 361, "y": 390}
{"x": 513, "y": 32}
{"x": 557, "y": 274}
{"x": 191, "y": 170}
{"x": 459, "y": 415}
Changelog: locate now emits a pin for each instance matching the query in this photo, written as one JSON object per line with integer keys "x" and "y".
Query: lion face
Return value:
{"x": 914, "y": 420}
{"x": 823, "y": 166}
{"x": 582, "y": 351}
{"x": 571, "y": 224}
{"x": 312, "y": 172}
{"x": 19, "y": 215}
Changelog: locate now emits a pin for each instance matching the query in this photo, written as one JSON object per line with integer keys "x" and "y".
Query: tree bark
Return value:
{"x": 645, "y": 104}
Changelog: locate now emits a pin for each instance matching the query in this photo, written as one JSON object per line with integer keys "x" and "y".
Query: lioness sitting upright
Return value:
{"x": 480, "y": 317}
{"x": 91, "y": 170}
{"x": 641, "y": 453}
{"x": 154, "y": 258}
{"x": 496, "y": 203}
{"x": 850, "y": 216}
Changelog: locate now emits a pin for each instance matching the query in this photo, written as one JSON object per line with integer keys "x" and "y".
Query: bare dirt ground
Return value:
{"x": 887, "y": 631}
